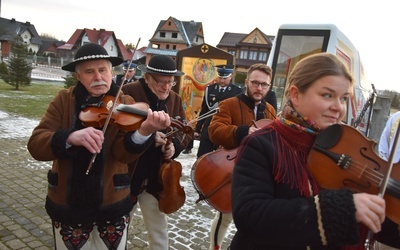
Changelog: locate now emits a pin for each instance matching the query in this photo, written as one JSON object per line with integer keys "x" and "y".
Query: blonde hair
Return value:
{"x": 314, "y": 67}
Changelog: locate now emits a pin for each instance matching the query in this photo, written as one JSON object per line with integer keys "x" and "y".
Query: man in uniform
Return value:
{"x": 222, "y": 89}
{"x": 130, "y": 70}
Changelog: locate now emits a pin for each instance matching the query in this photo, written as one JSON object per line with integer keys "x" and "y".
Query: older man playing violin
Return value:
{"x": 155, "y": 88}
{"x": 90, "y": 210}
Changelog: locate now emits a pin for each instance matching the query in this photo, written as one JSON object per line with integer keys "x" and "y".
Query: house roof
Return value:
{"x": 13, "y": 27}
{"x": 126, "y": 54}
{"x": 231, "y": 39}
{"x": 48, "y": 42}
{"x": 167, "y": 52}
{"x": 188, "y": 29}
{"x": 100, "y": 36}
{"x": 69, "y": 45}
{"x": 238, "y": 39}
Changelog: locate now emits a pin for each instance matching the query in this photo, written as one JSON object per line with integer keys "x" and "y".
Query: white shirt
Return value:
{"x": 387, "y": 138}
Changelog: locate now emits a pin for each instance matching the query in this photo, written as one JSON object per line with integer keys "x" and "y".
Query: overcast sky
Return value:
{"x": 372, "y": 26}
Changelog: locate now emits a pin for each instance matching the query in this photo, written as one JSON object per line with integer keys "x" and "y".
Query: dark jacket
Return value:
{"x": 148, "y": 165}
{"x": 118, "y": 80}
{"x": 271, "y": 98}
{"x": 74, "y": 197}
{"x": 278, "y": 206}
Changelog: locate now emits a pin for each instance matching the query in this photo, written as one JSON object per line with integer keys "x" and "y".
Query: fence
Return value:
{"x": 48, "y": 61}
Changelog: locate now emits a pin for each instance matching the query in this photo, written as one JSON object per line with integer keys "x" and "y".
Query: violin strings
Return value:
{"x": 357, "y": 168}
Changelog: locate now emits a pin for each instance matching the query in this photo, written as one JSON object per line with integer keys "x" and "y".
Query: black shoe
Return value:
{"x": 187, "y": 151}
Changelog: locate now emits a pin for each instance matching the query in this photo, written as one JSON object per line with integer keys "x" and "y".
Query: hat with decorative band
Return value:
{"x": 224, "y": 71}
{"x": 161, "y": 65}
{"x": 91, "y": 51}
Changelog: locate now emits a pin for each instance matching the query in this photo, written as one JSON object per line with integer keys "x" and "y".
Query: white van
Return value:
{"x": 296, "y": 41}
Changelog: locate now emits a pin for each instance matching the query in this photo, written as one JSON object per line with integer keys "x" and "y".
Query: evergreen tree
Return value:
{"x": 70, "y": 80}
{"x": 19, "y": 69}
{"x": 3, "y": 70}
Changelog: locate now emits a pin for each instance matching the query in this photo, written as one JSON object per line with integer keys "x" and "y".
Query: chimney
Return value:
{"x": 28, "y": 23}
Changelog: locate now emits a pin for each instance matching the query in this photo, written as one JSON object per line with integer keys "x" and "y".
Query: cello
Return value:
{"x": 211, "y": 175}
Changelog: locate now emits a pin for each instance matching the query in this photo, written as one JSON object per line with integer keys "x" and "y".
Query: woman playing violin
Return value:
{"x": 276, "y": 203}
{"x": 89, "y": 211}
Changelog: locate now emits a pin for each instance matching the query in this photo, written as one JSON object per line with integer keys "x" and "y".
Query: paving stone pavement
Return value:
{"x": 24, "y": 223}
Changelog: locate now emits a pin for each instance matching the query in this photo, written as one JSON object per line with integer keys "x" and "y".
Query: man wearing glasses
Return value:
{"x": 155, "y": 89}
{"x": 214, "y": 93}
{"x": 237, "y": 118}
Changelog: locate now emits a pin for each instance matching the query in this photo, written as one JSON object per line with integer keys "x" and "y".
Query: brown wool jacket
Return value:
{"x": 106, "y": 188}
{"x": 231, "y": 124}
{"x": 148, "y": 165}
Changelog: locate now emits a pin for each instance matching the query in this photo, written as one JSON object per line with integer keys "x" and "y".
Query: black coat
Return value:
{"x": 276, "y": 204}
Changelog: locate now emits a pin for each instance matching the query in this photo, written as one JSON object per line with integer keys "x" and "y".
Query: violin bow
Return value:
{"x": 114, "y": 105}
{"x": 190, "y": 123}
{"x": 382, "y": 188}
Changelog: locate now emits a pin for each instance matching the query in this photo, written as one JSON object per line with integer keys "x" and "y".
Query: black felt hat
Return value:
{"x": 91, "y": 51}
{"x": 161, "y": 65}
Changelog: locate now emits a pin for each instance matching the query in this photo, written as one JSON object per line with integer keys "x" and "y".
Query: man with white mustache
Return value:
{"x": 90, "y": 210}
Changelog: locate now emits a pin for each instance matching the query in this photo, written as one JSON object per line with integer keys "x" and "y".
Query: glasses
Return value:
{"x": 162, "y": 83}
{"x": 256, "y": 84}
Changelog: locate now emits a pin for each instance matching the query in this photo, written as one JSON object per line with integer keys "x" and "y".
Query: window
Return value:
{"x": 253, "y": 55}
{"x": 173, "y": 46}
{"x": 262, "y": 56}
{"x": 232, "y": 52}
{"x": 111, "y": 48}
{"x": 174, "y": 35}
{"x": 162, "y": 34}
{"x": 167, "y": 46}
{"x": 243, "y": 54}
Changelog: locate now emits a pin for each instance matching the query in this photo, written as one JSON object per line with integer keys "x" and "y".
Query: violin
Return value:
{"x": 335, "y": 163}
{"x": 172, "y": 197}
{"x": 211, "y": 175}
{"x": 128, "y": 117}
{"x": 111, "y": 105}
